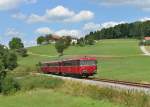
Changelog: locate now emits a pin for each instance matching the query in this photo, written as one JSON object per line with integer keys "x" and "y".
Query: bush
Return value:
{"x": 9, "y": 86}
{"x": 147, "y": 43}
{"x": 90, "y": 42}
{"x": 22, "y": 52}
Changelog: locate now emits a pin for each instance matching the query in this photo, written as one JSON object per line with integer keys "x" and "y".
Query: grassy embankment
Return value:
{"x": 39, "y": 91}
{"x": 50, "y": 98}
{"x": 117, "y": 59}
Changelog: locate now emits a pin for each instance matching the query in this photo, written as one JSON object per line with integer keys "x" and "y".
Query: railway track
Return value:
{"x": 135, "y": 84}
{"x": 115, "y": 84}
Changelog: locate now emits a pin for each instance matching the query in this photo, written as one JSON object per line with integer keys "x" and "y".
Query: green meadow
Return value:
{"x": 119, "y": 59}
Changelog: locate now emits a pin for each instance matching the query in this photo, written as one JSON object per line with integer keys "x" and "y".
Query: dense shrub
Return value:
{"x": 8, "y": 61}
{"x": 9, "y": 86}
{"x": 147, "y": 43}
{"x": 22, "y": 52}
{"x": 91, "y": 42}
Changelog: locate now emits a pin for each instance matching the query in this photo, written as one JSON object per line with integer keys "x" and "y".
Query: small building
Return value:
{"x": 146, "y": 40}
{"x": 54, "y": 38}
{"x": 74, "y": 40}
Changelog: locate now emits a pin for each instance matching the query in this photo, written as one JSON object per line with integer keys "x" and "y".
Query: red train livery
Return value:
{"x": 82, "y": 67}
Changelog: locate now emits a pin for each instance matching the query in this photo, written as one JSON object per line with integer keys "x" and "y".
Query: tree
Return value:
{"x": 60, "y": 45}
{"x": 67, "y": 40}
{"x": 90, "y": 41}
{"x": 81, "y": 41}
{"x": 136, "y": 30}
{"x": 16, "y": 43}
{"x": 8, "y": 61}
{"x": 48, "y": 37}
{"x": 40, "y": 40}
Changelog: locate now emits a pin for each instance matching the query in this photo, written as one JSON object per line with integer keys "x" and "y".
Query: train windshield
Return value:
{"x": 88, "y": 62}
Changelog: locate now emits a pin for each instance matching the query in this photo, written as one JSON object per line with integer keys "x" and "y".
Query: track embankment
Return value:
{"x": 120, "y": 85}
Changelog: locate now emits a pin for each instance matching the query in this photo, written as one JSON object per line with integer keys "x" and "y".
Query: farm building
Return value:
{"x": 146, "y": 40}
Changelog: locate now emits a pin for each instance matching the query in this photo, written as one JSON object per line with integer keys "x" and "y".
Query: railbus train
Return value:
{"x": 84, "y": 67}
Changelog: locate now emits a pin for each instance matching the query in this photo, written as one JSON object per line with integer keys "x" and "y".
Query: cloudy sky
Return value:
{"x": 28, "y": 19}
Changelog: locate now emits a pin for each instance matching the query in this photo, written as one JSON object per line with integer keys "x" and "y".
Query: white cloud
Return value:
{"x": 143, "y": 4}
{"x": 65, "y": 32}
{"x": 12, "y": 32}
{"x": 29, "y": 43}
{"x": 144, "y": 19}
{"x": 43, "y": 31}
{"x": 110, "y": 24}
{"x": 19, "y": 16}
{"x": 88, "y": 27}
{"x": 59, "y": 11}
{"x": 81, "y": 16}
{"x": 91, "y": 26}
{"x": 61, "y": 32}
{"x": 33, "y": 18}
{"x": 10, "y": 4}
{"x": 60, "y": 14}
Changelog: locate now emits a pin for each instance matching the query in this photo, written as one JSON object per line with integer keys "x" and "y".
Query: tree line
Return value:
{"x": 136, "y": 30}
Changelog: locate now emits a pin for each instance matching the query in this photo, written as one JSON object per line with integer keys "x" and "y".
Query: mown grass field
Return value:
{"x": 119, "y": 59}
{"x": 50, "y": 98}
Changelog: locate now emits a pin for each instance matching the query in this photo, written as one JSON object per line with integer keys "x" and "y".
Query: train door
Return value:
{"x": 75, "y": 67}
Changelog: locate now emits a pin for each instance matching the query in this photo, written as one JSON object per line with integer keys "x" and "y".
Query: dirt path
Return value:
{"x": 30, "y": 53}
{"x": 144, "y": 51}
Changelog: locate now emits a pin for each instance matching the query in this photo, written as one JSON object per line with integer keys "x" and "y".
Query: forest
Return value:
{"x": 136, "y": 30}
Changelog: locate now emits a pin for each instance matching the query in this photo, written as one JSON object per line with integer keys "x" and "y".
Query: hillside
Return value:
{"x": 117, "y": 59}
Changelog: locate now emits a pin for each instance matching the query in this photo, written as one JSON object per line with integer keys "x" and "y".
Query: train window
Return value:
{"x": 53, "y": 64}
{"x": 71, "y": 63}
{"x": 44, "y": 64}
{"x": 75, "y": 63}
{"x": 67, "y": 63}
{"x": 87, "y": 62}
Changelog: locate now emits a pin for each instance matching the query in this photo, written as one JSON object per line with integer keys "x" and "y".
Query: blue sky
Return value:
{"x": 29, "y": 19}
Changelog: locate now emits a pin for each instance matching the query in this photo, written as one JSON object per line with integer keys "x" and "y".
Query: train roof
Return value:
{"x": 83, "y": 58}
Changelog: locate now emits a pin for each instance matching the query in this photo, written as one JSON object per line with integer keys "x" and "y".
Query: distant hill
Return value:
{"x": 136, "y": 30}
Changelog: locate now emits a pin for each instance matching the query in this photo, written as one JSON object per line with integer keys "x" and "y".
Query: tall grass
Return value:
{"x": 32, "y": 82}
{"x": 128, "y": 98}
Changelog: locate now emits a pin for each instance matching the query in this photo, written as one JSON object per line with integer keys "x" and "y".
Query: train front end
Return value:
{"x": 88, "y": 66}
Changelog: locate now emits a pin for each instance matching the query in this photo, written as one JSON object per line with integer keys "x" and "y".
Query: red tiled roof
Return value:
{"x": 56, "y": 37}
{"x": 146, "y": 38}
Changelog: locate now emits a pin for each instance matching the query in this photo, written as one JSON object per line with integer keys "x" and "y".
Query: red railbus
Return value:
{"x": 81, "y": 66}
